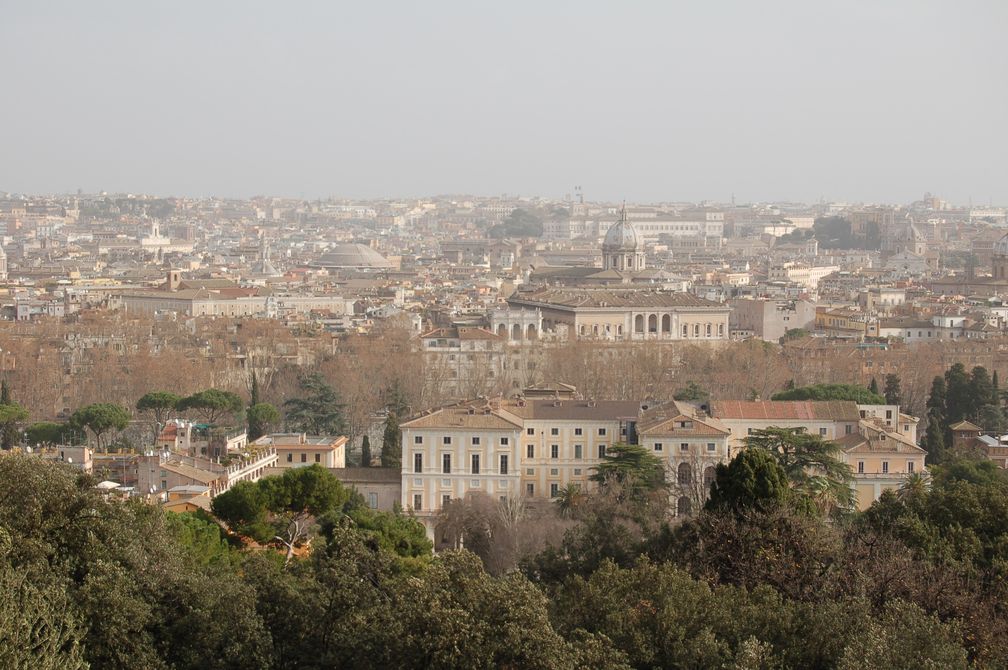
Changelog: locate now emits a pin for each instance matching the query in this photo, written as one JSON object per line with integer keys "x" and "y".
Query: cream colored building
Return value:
{"x": 297, "y": 450}
{"x": 879, "y": 460}
{"x": 830, "y": 419}
{"x": 533, "y": 448}
{"x": 627, "y": 314}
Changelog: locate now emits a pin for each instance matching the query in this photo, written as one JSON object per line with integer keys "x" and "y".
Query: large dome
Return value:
{"x": 1001, "y": 247}
{"x": 621, "y": 237}
{"x": 352, "y": 256}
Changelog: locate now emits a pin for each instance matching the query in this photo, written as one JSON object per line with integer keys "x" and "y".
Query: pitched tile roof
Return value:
{"x": 789, "y": 410}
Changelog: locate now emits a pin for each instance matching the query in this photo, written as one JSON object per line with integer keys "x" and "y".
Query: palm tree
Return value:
{"x": 914, "y": 486}
{"x": 569, "y": 498}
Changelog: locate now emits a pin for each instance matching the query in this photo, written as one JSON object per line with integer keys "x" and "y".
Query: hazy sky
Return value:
{"x": 853, "y": 100}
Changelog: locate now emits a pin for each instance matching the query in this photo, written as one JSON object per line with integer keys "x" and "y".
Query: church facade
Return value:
{"x": 625, "y": 309}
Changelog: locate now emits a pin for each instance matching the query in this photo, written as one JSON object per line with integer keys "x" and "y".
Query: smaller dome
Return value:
{"x": 621, "y": 237}
{"x": 351, "y": 256}
{"x": 1001, "y": 246}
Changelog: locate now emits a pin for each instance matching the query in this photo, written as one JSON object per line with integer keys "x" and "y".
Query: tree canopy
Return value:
{"x": 261, "y": 417}
{"x": 858, "y": 394}
{"x": 213, "y": 405}
{"x": 100, "y": 419}
{"x": 753, "y": 479}
{"x": 318, "y": 410}
{"x": 159, "y": 405}
{"x": 391, "y": 452}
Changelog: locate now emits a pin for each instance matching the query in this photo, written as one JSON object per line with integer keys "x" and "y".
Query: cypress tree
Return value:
{"x": 254, "y": 393}
{"x": 873, "y": 386}
{"x": 958, "y": 394}
{"x": 391, "y": 451}
{"x": 892, "y": 392}
{"x": 934, "y": 440}
{"x": 365, "y": 452}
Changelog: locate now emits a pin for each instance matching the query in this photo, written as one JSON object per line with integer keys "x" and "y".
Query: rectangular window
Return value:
{"x": 530, "y": 471}
{"x": 446, "y": 464}
{"x": 290, "y": 457}
{"x": 601, "y": 431}
{"x": 601, "y": 451}
{"x": 475, "y": 464}
{"x": 530, "y": 450}
{"x": 318, "y": 458}
{"x": 657, "y": 446}
{"x": 475, "y": 441}
{"x": 554, "y": 431}
{"x": 530, "y": 431}
{"x": 504, "y": 464}
{"x": 577, "y": 472}
{"x": 554, "y": 472}
{"x": 684, "y": 446}
{"x": 446, "y": 439}
{"x": 554, "y": 489}
{"x": 822, "y": 432}
{"x": 417, "y": 502}
{"x": 847, "y": 429}
{"x": 304, "y": 458}
{"x": 417, "y": 462}
{"x": 885, "y": 467}
{"x": 888, "y": 414}
{"x": 577, "y": 451}
{"x": 910, "y": 466}
{"x": 373, "y": 500}
{"x": 577, "y": 431}
{"x": 554, "y": 451}
{"x": 504, "y": 441}
{"x": 445, "y": 499}
{"x": 860, "y": 467}
{"x": 474, "y": 483}
{"x": 711, "y": 446}
{"x": 418, "y": 439}
{"x": 417, "y": 481}
{"x": 530, "y": 489}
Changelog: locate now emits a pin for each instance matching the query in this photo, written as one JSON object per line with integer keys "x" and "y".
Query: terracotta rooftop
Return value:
{"x": 793, "y": 410}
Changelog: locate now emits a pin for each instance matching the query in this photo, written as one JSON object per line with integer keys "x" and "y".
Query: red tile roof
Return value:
{"x": 797, "y": 410}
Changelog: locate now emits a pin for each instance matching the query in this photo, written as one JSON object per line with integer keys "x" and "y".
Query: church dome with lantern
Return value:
{"x": 623, "y": 248}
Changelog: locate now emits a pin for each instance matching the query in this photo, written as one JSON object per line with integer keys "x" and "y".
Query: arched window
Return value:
{"x": 684, "y": 507}
{"x": 582, "y": 330}
{"x": 652, "y": 324}
{"x": 685, "y": 330}
{"x": 666, "y": 324}
{"x": 619, "y": 329}
{"x": 531, "y": 332}
{"x": 684, "y": 473}
{"x": 708, "y": 330}
{"x": 502, "y": 330}
{"x": 708, "y": 476}
{"x": 516, "y": 332}
{"x": 696, "y": 330}
{"x": 720, "y": 330}
{"x": 639, "y": 323}
{"x": 595, "y": 330}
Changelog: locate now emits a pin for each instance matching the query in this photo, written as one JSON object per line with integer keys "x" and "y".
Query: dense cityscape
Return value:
{"x": 520, "y": 336}
{"x": 556, "y": 386}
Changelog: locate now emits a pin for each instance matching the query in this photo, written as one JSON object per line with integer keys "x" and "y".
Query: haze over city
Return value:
{"x": 859, "y": 102}
{"x": 524, "y": 335}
